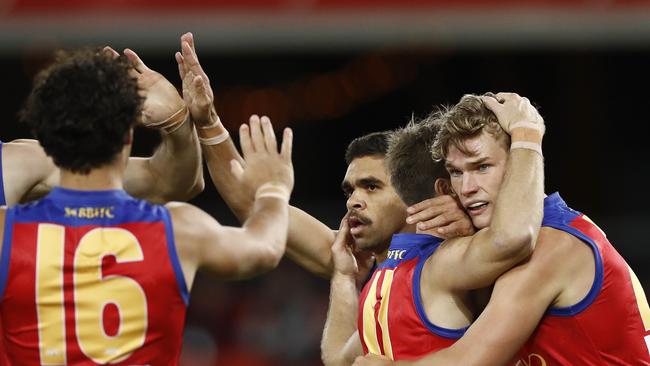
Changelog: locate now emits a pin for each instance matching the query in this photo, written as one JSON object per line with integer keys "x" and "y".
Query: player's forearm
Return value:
{"x": 309, "y": 243}
{"x": 176, "y": 165}
{"x": 519, "y": 206}
{"x": 218, "y": 157}
{"x": 268, "y": 226}
{"x": 341, "y": 320}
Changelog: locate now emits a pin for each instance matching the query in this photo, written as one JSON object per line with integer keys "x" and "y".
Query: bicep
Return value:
{"x": 519, "y": 301}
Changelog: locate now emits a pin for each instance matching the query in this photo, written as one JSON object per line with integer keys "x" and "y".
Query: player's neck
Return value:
{"x": 101, "y": 179}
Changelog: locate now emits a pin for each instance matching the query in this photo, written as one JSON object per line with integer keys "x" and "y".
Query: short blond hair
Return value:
{"x": 465, "y": 120}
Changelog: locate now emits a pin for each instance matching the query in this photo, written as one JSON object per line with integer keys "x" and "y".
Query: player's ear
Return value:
{"x": 443, "y": 186}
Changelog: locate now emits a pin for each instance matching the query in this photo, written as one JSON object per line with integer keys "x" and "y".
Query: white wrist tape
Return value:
{"x": 172, "y": 128}
{"x": 527, "y": 124}
{"x": 213, "y": 125}
{"x": 173, "y": 122}
{"x": 214, "y": 140}
{"x": 273, "y": 190}
{"x": 527, "y": 145}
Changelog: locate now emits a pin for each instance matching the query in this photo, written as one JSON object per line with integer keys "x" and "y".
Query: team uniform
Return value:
{"x": 3, "y": 202}
{"x": 392, "y": 321}
{"x": 610, "y": 326}
{"x": 91, "y": 278}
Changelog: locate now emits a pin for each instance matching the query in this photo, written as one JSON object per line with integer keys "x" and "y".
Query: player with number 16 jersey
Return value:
{"x": 76, "y": 257}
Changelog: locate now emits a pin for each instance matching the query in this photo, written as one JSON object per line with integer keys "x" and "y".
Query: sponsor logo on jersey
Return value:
{"x": 90, "y": 212}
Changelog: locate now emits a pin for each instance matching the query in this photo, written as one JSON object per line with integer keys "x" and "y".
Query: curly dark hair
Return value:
{"x": 372, "y": 144}
{"x": 82, "y": 108}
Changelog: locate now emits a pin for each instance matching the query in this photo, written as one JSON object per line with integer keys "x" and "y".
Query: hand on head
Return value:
{"x": 513, "y": 110}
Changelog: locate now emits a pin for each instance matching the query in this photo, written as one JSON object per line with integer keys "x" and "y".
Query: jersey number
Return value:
{"x": 376, "y": 334}
{"x": 92, "y": 292}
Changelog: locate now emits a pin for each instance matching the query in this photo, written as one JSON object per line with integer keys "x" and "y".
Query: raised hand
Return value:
{"x": 262, "y": 162}
{"x": 197, "y": 92}
{"x": 162, "y": 102}
{"x": 514, "y": 111}
{"x": 444, "y": 214}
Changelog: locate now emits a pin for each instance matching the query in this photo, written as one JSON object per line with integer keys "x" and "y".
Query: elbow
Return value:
{"x": 517, "y": 245}
{"x": 268, "y": 259}
{"x": 197, "y": 188}
{"x": 330, "y": 360}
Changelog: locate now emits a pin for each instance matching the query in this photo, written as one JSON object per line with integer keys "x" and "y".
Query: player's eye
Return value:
{"x": 454, "y": 172}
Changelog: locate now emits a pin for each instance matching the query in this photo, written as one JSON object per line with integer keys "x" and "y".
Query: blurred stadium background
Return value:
{"x": 336, "y": 69}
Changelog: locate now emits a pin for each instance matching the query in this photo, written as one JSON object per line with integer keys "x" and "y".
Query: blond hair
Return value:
{"x": 465, "y": 120}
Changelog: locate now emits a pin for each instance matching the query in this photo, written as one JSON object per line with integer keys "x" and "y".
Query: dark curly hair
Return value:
{"x": 82, "y": 108}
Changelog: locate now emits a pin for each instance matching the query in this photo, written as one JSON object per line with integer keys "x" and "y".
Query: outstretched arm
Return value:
{"x": 259, "y": 245}
{"x": 341, "y": 343}
{"x": 174, "y": 172}
{"x": 309, "y": 240}
{"x": 518, "y": 209}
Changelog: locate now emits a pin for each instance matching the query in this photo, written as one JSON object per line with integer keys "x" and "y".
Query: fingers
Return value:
{"x": 191, "y": 59}
{"x": 287, "y": 144}
{"x": 256, "y": 133}
{"x": 506, "y": 96}
{"x": 135, "y": 60}
{"x": 492, "y": 104}
{"x": 456, "y": 229}
{"x": 189, "y": 38}
{"x": 181, "y": 65}
{"x": 109, "y": 51}
{"x": 341, "y": 235}
{"x": 269, "y": 135}
{"x": 435, "y": 222}
{"x": 431, "y": 207}
{"x": 245, "y": 140}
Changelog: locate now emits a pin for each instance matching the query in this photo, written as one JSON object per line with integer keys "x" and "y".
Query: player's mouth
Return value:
{"x": 357, "y": 224}
{"x": 476, "y": 208}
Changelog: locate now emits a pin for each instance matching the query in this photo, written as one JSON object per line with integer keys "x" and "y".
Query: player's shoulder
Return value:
{"x": 187, "y": 215}
{"x": 556, "y": 244}
{"x": 556, "y": 252}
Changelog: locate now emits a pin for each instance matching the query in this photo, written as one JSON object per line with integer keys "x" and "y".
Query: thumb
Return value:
{"x": 237, "y": 169}
{"x": 201, "y": 93}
